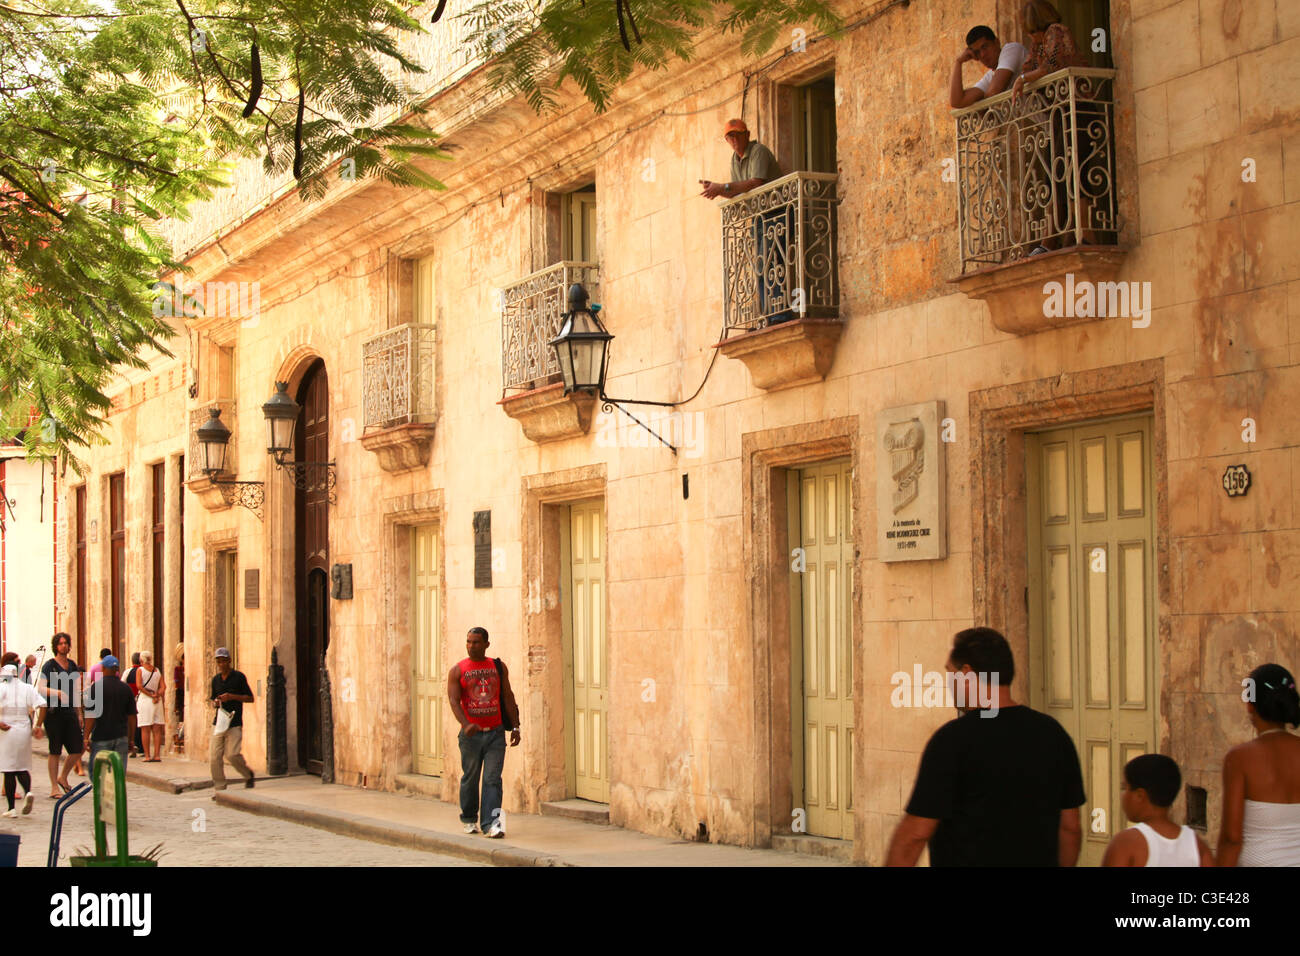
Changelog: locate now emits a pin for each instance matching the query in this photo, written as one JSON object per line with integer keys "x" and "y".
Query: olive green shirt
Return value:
{"x": 757, "y": 163}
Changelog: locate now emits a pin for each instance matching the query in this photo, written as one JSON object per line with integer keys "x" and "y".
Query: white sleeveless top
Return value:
{"x": 1270, "y": 834}
{"x": 1182, "y": 850}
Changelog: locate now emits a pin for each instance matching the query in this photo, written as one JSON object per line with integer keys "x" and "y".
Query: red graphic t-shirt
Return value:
{"x": 480, "y": 692}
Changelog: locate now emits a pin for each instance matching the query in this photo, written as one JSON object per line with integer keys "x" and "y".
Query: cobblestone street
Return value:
{"x": 195, "y": 831}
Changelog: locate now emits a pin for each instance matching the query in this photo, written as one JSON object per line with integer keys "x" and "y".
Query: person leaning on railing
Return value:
{"x": 1051, "y": 48}
{"x": 753, "y": 165}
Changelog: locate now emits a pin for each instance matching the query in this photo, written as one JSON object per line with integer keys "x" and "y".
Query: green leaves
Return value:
{"x": 534, "y": 47}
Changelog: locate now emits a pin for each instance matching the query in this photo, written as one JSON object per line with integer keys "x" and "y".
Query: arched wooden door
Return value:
{"x": 311, "y": 514}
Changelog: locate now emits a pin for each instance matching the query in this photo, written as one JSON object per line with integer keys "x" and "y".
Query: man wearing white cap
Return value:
{"x": 19, "y": 701}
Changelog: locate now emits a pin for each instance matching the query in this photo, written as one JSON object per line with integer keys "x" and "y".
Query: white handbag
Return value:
{"x": 224, "y": 717}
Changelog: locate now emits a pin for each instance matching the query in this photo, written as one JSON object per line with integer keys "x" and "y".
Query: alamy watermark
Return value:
{"x": 967, "y": 690}
{"x": 1098, "y": 300}
{"x": 682, "y": 429}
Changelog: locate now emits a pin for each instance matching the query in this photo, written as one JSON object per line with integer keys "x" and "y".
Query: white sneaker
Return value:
{"x": 471, "y": 828}
{"x": 495, "y": 832}
{"x": 10, "y": 813}
{"x": 27, "y": 803}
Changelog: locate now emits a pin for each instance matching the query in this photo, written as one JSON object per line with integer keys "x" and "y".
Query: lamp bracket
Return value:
{"x": 247, "y": 494}
{"x": 609, "y": 404}
{"x": 311, "y": 476}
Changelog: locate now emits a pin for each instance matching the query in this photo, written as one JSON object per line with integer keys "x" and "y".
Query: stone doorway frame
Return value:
{"x": 542, "y": 701}
{"x": 999, "y": 419}
{"x": 767, "y": 457}
{"x": 400, "y": 515}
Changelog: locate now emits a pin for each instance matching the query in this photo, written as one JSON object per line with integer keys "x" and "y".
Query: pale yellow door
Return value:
{"x": 578, "y": 233}
{"x": 586, "y": 666}
{"x": 1092, "y": 602}
{"x": 428, "y": 674}
{"x": 823, "y": 568}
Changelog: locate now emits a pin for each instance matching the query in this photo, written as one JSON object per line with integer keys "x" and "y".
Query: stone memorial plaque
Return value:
{"x": 252, "y": 588}
{"x": 482, "y": 549}
{"x": 910, "y": 489}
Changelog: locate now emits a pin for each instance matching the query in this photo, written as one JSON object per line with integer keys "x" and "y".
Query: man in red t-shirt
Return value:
{"x": 478, "y": 689}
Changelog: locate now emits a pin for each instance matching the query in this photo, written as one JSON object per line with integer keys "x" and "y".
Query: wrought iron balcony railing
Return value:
{"x": 532, "y": 309}
{"x": 397, "y": 368}
{"x": 1037, "y": 171}
{"x": 779, "y": 252}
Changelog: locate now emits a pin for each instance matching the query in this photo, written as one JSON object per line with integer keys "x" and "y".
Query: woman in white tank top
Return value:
{"x": 1261, "y": 778}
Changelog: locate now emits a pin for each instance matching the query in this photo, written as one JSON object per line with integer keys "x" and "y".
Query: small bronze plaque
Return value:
{"x": 252, "y": 588}
{"x": 482, "y": 549}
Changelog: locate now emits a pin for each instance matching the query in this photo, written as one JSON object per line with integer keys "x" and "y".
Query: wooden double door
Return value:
{"x": 1092, "y": 602}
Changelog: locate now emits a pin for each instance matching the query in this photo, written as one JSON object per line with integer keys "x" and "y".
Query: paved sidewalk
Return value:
{"x": 425, "y": 823}
{"x": 531, "y": 840}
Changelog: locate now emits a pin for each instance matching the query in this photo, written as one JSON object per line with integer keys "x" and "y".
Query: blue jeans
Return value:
{"x": 481, "y": 753}
{"x": 118, "y": 743}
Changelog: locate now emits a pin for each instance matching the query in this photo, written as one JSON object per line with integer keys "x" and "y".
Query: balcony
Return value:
{"x": 1038, "y": 173}
{"x": 781, "y": 291}
{"x": 397, "y": 379}
{"x": 532, "y": 310}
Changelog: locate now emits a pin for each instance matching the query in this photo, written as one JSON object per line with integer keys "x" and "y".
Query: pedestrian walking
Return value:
{"x": 997, "y": 786}
{"x": 150, "y": 706}
{"x": 178, "y": 683}
{"x": 28, "y": 672}
{"x": 97, "y": 668}
{"x": 133, "y": 682}
{"x": 478, "y": 689}
{"x": 1151, "y": 784}
{"x": 1261, "y": 778}
{"x": 230, "y": 692}
{"x": 110, "y": 712}
{"x": 19, "y": 702}
{"x": 60, "y": 685}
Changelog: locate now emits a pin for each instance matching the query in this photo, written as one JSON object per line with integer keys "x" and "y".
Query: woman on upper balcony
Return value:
{"x": 1051, "y": 48}
{"x": 1051, "y": 45}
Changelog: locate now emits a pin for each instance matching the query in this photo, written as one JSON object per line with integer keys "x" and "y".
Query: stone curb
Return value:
{"x": 166, "y": 784}
{"x": 476, "y": 848}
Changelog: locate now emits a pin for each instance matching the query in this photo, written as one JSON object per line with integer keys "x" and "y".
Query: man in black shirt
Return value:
{"x": 996, "y": 787}
{"x": 110, "y": 713}
{"x": 230, "y": 692}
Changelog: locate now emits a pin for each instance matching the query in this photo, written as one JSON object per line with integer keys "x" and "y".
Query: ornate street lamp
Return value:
{"x": 213, "y": 436}
{"x": 582, "y": 345}
{"x": 214, "y": 439}
{"x": 281, "y": 413}
{"x": 582, "y": 349}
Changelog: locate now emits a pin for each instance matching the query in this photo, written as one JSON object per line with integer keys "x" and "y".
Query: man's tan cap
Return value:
{"x": 735, "y": 126}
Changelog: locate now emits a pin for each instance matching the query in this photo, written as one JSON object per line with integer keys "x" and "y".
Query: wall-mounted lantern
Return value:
{"x": 281, "y": 413}
{"x": 214, "y": 438}
{"x": 582, "y": 349}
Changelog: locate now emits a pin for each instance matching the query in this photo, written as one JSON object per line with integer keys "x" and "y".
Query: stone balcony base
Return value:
{"x": 547, "y": 414}
{"x": 1020, "y": 300}
{"x": 787, "y": 354}
{"x": 209, "y": 494}
{"x": 402, "y": 447}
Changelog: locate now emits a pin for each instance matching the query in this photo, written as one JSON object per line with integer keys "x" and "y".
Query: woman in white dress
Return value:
{"x": 19, "y": 701}
{"x": 1261, "y": 778}
{"x": 149, "y": 706}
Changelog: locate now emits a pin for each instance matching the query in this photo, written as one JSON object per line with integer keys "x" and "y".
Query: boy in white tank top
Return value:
{"x": 1151, "y": 784}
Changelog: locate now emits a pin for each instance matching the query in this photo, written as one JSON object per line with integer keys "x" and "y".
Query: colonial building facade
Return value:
{"x": 893, "y": 423}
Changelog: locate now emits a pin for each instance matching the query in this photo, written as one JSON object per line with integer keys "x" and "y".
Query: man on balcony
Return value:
{"x": 1004, "y": 62}
{"x": 753, "y": 165}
